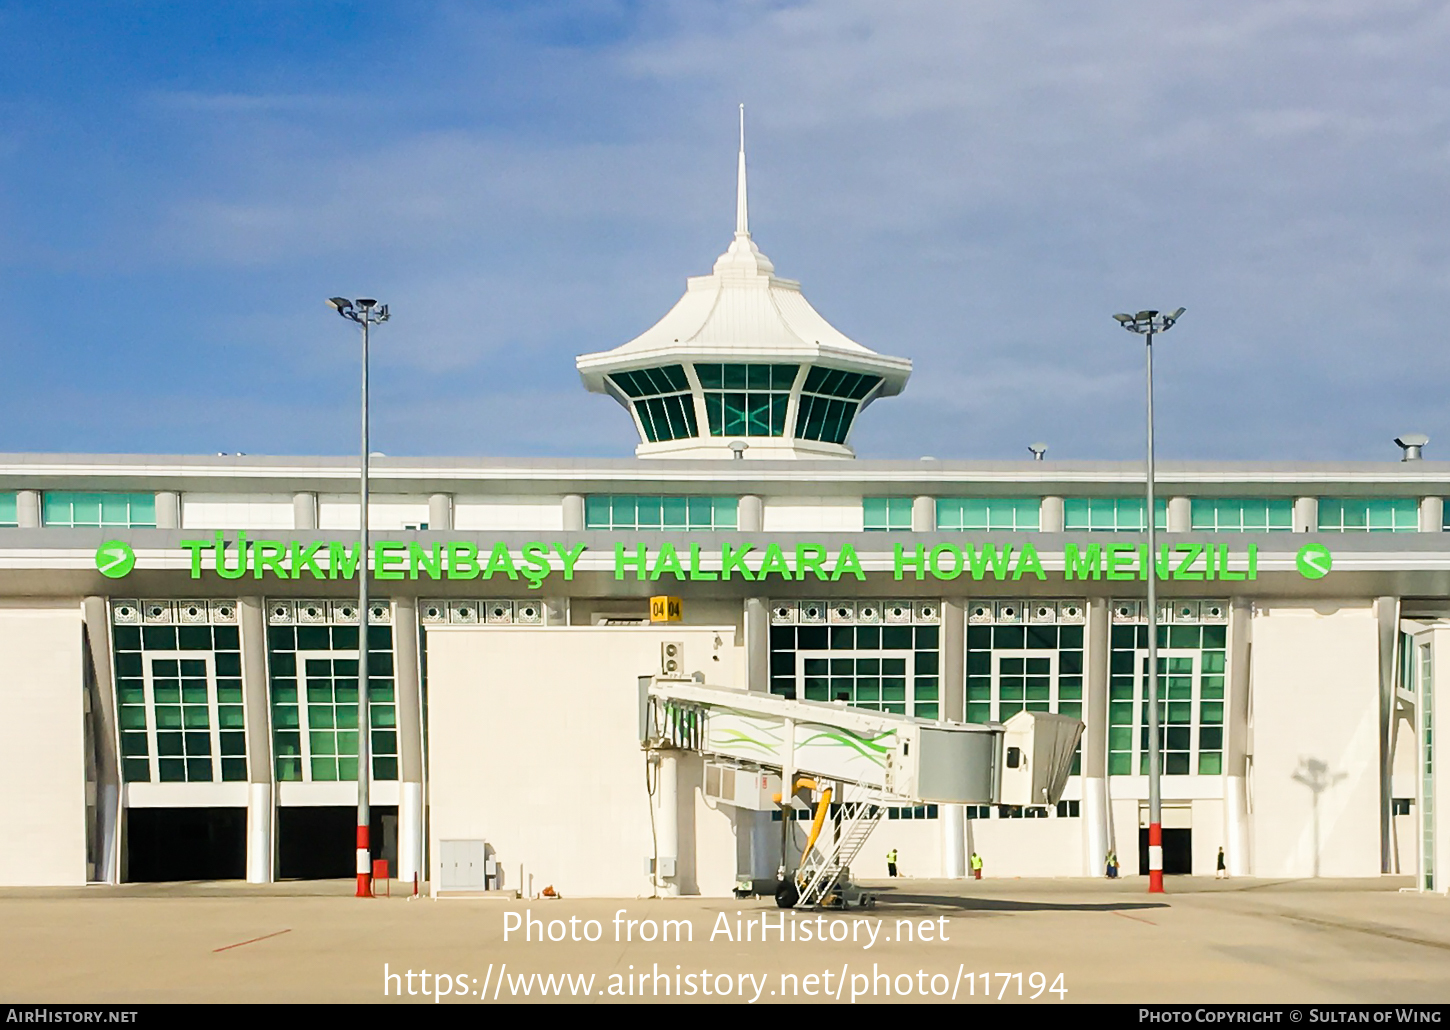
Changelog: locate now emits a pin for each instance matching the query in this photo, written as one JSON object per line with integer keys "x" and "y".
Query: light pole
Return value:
{"x": 366, "y": 312}
{"x": 1149, "y": 323}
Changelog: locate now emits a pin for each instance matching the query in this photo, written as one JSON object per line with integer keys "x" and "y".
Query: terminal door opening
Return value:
{"x": 1177, "y": 851}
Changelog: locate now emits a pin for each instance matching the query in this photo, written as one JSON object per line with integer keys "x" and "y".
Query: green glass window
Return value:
{"x": 662, "y": 400}
{"x": 645, "y": 512}
{"x": 179, "y": 697}
{"x": 314, "y": 680}
{"x": 65, "y": 508}
{"x": 7, "y": 510}
{"x": 988, "y": 514}
{"x": 1369, "y": 515}
{"x": 885, "y": 668}
{"x": 746, "y": 400}
{"x": 1243, "y": 514}
{"x": 882, "y": 514}
{"x": 1192, "y": 664}
{"x": 1037, "y": 667}
{"x": 1111, "y": 514}
{"x": 829, "y": 402}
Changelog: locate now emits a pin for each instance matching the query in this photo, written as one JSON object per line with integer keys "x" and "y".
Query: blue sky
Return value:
{"x": 975, "y": 186}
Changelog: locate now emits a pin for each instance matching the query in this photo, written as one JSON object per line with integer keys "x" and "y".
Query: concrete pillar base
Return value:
{"x": 1095, "y": 823}
{"x": 259, "y": 833}
{"x": 954, "y": 842}
{"x": 410, "y": 832}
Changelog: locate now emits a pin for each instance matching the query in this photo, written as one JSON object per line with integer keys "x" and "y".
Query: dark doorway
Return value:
{"x": 320, "y": 843}
{"x": 1177, "y": 852}
{"x": 185, "y": 844}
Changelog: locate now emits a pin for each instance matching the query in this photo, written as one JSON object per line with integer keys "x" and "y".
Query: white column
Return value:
{"x": 103, "y": 716}
{"x": 1432, "y": 514}
{"x": 573, "y": 513}
{"x": 440, "y": 511}
{"x": 410, "y": 738}
{"x": 261, "y": 799}
{"x": 304, "y": 510}
{"x": 168, "y": 509}
{"x": 1180, "y": 515}
{"x": 410, "y": 832}
{"x": 27, "y": 509}
{"x": 1237, "y": 852}
{"x": 751, "y": 518}
{"x": 923, "y": 515}
{"x": 1050, "y": 515}
{"x": 954, "y": 841}
{"x": 667, "y": 827}
{"x": 1306, "y": 515}
{"x": 1097, "y": 841}
{"x": 259, "y": 833}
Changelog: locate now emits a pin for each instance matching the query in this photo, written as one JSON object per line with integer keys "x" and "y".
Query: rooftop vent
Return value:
{"x": 1038, "y": 450}
{"x": 1411, "y": 443}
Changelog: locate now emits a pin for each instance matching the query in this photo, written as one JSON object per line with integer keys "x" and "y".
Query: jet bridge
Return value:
{"x": 851, "y": 763}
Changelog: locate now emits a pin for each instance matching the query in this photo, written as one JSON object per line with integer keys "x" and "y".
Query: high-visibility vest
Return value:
{"x": 976, "y": 861}
{"x": 891, "y": 856}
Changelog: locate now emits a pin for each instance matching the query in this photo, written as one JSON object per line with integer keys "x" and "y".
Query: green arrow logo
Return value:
{"x": 115, "y": 559}
{"x": 1314, "y": 561}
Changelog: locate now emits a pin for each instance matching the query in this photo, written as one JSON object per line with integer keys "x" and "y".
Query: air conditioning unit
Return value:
{"x": 126, "y": 612}
{"x": 672, "y": 659}
{"x": 744, "y": 788}
{"x": 191, "y": 612}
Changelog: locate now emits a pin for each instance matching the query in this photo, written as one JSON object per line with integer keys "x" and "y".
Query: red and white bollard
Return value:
{"x": 1155, "y": 858}
{"x": 364, "y": 864}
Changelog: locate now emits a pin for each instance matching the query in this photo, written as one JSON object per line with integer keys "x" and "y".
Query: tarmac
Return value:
{"x": 1043, "y": 942}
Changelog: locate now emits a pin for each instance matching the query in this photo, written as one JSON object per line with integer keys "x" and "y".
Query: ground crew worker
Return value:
{"x": 976, "y": 866}
{"x": 891, "y": 862}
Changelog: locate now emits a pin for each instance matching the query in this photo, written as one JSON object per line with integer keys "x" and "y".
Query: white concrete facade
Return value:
{"x": 42, "y": 744}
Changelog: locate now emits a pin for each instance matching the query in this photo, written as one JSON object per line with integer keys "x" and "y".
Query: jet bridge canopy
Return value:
{"x": 900, "y": 756}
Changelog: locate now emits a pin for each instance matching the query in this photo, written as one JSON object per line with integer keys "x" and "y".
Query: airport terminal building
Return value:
{"x": 179, "y": 693}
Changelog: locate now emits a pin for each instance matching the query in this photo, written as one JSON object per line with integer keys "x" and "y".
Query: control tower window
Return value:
{"x": 829, "y": 402}
{"x": 746, "y": 400}
{"x": 662, "y": 400}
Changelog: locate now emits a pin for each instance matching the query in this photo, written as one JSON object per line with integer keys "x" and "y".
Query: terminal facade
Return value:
{"x": 179, "y": 635}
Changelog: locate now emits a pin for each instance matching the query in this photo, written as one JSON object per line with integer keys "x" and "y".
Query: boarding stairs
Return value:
{"x": 826, "y": 867}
